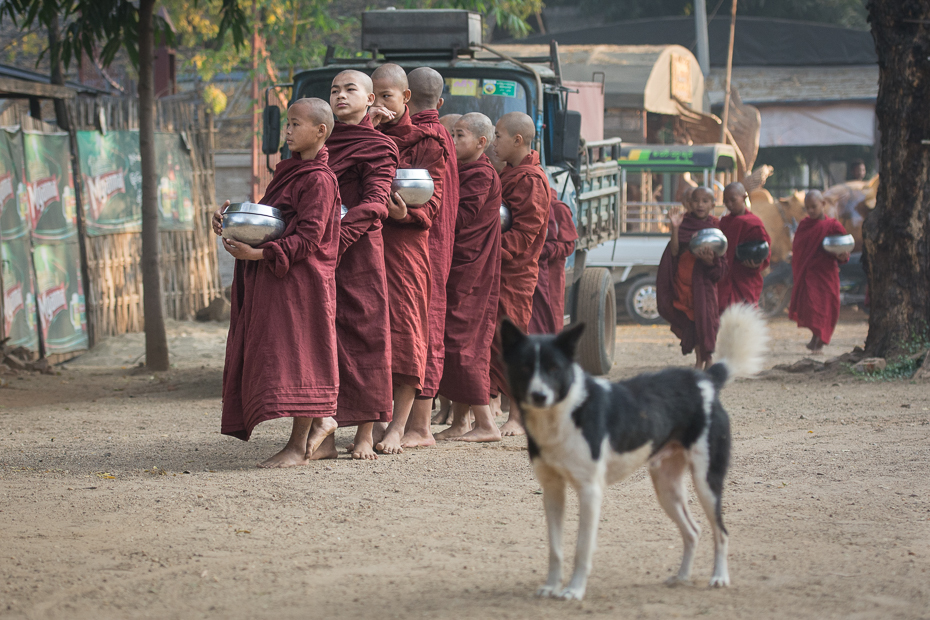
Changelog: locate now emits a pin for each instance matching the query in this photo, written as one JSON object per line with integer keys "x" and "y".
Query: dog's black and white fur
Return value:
{"x": 589, "y": 433}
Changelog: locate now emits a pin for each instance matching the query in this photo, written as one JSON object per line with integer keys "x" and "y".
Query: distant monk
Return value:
{"x": 742, "y": 283}
{"x": 686, "y": 283}
{"x": 449, "y": 120}
{"x": 525, "y": 190}
{"x": 364, "y": 161}
{"x": 549, "y": 296}
{"x": 473, "y": 288}
{"x": 281, "y": 359}
{"x": 406, "y": 245}
{"x": 815, "y": 298}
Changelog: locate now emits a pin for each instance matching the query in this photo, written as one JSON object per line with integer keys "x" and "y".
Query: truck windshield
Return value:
{"x": 493, "y": 98}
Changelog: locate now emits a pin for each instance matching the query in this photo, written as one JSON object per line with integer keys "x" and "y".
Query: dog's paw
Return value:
{"x": 675, "y": 580}
{"x": 571, "y": 594}
{"x": 547, "y": 591}
{"x": 720, "y": 581}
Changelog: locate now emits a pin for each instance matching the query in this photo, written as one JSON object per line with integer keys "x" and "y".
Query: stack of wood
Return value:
{"x": 17, "y": 360}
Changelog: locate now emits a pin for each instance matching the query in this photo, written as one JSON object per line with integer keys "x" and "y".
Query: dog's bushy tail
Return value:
{"x": 741, "y": 343}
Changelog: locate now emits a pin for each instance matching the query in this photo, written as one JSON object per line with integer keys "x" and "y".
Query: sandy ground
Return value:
{"x": 119, "y": 498}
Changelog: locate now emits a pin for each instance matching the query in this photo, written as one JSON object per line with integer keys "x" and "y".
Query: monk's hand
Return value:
{"x": 676, "y": 216}
{"x": 706, "y": 255}
{"x": 842, "y": 258}
{"x": 380, "y": 114}
{"x": 242, "y": 251}
{"x": 397, "y": 208}
{"x": 751, "y": 264}
{"x": 218, "y": 219}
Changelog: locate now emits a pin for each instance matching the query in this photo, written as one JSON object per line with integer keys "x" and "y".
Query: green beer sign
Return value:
{"x": 50, "y": 186}
{"x": 112, "y": 173}
{"x": 60, "y": 297}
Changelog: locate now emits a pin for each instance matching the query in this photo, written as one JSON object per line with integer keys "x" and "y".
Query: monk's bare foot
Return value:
{"x": 321, "y": 429}
{"x": 363, "y": 450}
{"x": 512, "y": 428}
{"x": 496, "y": 410}
{"x": 327, "y": 449}
{"x": 290, "y": 456}
{"x": 445, "y": 410}
{"x": 378, "y": 431}
{"x": 480, "y": 435}
{"x": 390, "y": 443}
{"x": 456, "y": 430}
{"x": 415, "y": 439}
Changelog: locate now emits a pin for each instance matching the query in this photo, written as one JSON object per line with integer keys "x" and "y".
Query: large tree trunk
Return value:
{"x": 156, "y": 342}
{"x": 897, "y": 232}
{"x": 57, "y": 75}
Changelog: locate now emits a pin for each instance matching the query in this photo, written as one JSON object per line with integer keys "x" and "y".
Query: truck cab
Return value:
{"x": 479, "y": 79}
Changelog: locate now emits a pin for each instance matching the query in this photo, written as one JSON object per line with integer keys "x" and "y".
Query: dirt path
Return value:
{"x": 119, "y": 498}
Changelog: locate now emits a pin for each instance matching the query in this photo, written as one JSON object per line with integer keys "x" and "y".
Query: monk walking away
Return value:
{"x": 525, "y": 190}
{"x": 281, "y": 354}
{"x": 742, "y": 282}
{"x": 549, "y": 296}
{"x": 406, "y": 245}
{"x": 686, "y": 283}
{"x": 364, "y": 161}
{"x": 473, "y": 288}
{"x": 815, "y": 298}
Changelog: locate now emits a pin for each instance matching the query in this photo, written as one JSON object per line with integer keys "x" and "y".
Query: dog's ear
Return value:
{"x": 567, "y": 340}
{"x": 511, "y": 335}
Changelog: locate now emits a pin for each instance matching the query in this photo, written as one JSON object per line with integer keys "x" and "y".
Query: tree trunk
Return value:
{"x": 57, "y": 76}
{"x": 156, "y": 342}
{"x": 897, "y": 232}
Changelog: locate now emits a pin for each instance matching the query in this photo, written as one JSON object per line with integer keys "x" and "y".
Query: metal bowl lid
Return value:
{"x": 254, "y": 207}
{"x": 412, "y": 174}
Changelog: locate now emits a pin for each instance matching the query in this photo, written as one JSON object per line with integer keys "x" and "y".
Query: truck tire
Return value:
{"x": 596, "y": 307}
{"x": 641, "y": 302}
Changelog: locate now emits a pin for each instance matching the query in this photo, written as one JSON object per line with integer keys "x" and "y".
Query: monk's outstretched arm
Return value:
{"x": 376, "y": 177}
{"x": 314, "y": 206}
{"x": 529, "y": 217}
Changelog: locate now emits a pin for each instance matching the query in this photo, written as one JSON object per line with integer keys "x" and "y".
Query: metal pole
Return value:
{"x": 256, "y": 165}
{"x": 700, "y": 28}
{"x": 726, "y": 101}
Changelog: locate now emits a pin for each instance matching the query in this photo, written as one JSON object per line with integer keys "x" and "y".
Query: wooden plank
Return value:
{"x": 12, "y": 86}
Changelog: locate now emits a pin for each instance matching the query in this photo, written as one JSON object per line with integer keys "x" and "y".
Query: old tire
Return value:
{"x": 641, "y": 302}
{"x": 596, "y": 307}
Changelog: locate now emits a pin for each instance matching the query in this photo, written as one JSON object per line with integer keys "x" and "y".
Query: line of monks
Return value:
{"x": 694, "y": 288}
{"x": 367, "y": 308}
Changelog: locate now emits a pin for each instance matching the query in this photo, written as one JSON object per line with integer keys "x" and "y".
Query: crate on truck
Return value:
{"x": 495, "y": 84}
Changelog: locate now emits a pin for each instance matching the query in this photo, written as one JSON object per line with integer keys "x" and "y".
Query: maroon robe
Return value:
{"x": 281, "y": 359}
{"x": 815, "y": 298}
{"x": 703, "y": 329}
{"x": 364, "y": 161}
{"x": 741, "y": 284}
{"x": 549, "y": 296}
{"x": 473, "y": 287}
{"x": 441, "y": 240}
{"x": 406, "y": 253}
{"x": 525, "y": 190}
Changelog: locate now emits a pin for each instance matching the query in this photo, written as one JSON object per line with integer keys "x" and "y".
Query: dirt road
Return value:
{"x": 119, "y": 498}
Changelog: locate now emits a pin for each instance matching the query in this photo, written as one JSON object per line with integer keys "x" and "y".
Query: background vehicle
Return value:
{"x": 650, "y": 177}
{"x": 494, "y": 84}
{"x": 777, "y": 285}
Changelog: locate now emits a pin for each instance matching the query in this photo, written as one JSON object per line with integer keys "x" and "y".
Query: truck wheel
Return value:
{"x": 597, "y": 309}
{"x": 774, "y": 298}
{"x": 641, "y": 302}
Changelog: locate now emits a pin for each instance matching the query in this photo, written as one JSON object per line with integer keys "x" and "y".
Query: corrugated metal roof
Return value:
{"x": 34, "y": 76}
{"x": 761, "y": 85}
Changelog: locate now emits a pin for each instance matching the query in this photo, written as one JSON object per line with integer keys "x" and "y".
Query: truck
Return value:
{"x": 650, "y": 176}
{"x": 480, "y": 79}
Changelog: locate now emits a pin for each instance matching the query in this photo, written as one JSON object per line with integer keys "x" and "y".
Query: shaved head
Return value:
{"x": 355, "y": 77}
{"x": 702, "y": 191}
{"x": 314, "y": 110}
{"x": 478, "y": 125}
{"x": 391, "y": 74}
{"x": 449, "y": 120}
{"x": 425, "y": 89}
{"x": 813, "y": 195}
{"x": 734, "y": 188}
{"x": 519, "y": 124}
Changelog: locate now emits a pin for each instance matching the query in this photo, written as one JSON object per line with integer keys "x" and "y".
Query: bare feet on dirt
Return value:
{"x": 445, "y": 410}
{"x": 413, "y": 439}
{"x": 390, "y": 443}
{"x": 512, "y": 428}
{"x": 327, "y": 449}
{"x": 290, "y": 456}
{"x": 456, "y": 430}
{"x": 480, "y": 435}
{"x": 321, "y": 429}
{"x": 363, "y": 451}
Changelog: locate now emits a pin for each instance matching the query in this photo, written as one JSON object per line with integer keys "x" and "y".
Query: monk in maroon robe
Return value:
{"x": 525, "y": 191}
{"x": 815, "y": 298}
{"x": 742, "y": 282}
{"x": 281, "y": 358}
{"x": 473, "y": 288}
{"x": 364, "y": 161}
{"x": 686, "y": 283}
{"x": 549, "y": 296}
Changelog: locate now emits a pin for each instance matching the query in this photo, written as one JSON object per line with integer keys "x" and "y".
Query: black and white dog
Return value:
{"x": 589, "y": 433}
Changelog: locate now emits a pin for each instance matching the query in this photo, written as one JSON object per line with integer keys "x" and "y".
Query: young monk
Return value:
{"x": 686, "y": 284}
{"x": 742, "y": 282}
{"x": 815, "y": 298}
{"x": 406, "y": 245}
{"x": 281, "y": 351}
{"x": 549, "y": 296}
{"x": 473, "y": 287}
{"x": 525, "y": 190}
{"x": 426, "y": 86}
{"x": 448, "y": 121}
{"x": 364, "y": 161}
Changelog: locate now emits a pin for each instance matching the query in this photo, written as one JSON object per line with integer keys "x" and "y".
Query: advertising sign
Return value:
{"x": 60, "y": 297}
{"x": 50, "y": 186}
{"x": 112, "y": 173}
{"x": 175, "y": 183}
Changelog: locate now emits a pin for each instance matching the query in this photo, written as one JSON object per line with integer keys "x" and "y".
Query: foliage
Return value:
{"x": 913, "y": 352}
{"x": 508, "y": 14}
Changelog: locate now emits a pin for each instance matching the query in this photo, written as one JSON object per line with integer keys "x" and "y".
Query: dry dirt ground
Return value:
{"x": 121, "y": 499}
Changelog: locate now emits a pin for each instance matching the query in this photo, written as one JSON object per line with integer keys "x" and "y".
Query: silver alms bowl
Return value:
{"x": 252, "y": 223}
{"x": 506, "y": 218}
{"x": 712, "y": 238}
{"x": 839, "y": 244}
{"x": 414, "y": 185}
